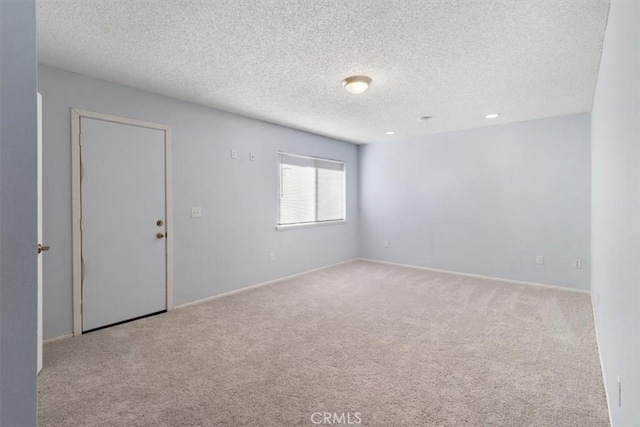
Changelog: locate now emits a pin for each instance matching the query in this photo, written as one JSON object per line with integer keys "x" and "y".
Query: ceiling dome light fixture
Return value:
{"x": 492, "y": 116}
{"x": 356, "y": 84}
{"x": 390, "y": 132}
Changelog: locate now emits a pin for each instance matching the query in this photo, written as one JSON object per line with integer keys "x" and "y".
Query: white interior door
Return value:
{"x": 40, "y": 247}
{"x": 123, "y": 222}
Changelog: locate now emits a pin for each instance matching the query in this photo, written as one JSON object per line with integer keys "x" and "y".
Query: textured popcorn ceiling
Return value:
{"x": 283, "y": 61}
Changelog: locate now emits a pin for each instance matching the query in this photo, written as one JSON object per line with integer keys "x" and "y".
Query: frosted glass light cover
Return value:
{"x": 356, "y": 84}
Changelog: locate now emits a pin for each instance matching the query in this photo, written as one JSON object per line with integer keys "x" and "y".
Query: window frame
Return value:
{"x": 281, "y": 227}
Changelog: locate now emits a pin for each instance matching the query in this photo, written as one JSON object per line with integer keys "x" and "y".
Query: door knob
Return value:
{"x": 42, "y": 248}
{"x": 160, "y": 235}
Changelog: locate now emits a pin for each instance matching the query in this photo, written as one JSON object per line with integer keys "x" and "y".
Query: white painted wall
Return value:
{"x": 483, "y": 201}
{"x": 615, "y": 140}
{"x": 228, "y": 247}
{"x": 18, "y": 213}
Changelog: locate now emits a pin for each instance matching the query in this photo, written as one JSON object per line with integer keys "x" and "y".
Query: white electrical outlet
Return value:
{"x": 234, "y": 154}
{"x": 539, "y": 259}
{"x": 252, "y": 156}
{"x": 272, "y": 257}
{"x": 196, "y": 212}
{"x": 386, "y": 243}
{"x": 577, "y": 263}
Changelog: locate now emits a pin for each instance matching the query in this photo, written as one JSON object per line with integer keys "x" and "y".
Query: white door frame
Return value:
{"x": 76, "y": 115}
{"x": 40, "y": 234}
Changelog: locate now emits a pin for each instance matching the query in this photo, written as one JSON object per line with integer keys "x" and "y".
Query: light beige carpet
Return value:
{"x": 386, "y": 345}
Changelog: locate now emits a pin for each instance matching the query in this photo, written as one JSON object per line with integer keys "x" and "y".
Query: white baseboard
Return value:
{"x": 604, "y": 378}
{"x": 498, "y": 279}
{"x": 259, "y": 285}
{"x": 61, "y": 337}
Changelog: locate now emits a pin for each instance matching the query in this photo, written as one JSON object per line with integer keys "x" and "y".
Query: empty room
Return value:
{"x": 309, "y": 213}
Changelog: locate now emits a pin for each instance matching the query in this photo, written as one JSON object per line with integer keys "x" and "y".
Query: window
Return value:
{"x": 311, "y": 191}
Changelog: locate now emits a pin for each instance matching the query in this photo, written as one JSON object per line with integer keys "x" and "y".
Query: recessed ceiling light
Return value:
{"x": 356, "y": 84}
{"x": 492, "y": 116}
{"x": 390, "y": 132}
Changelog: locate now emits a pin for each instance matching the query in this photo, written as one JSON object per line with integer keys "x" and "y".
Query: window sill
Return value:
{"x": 311, "y": 224}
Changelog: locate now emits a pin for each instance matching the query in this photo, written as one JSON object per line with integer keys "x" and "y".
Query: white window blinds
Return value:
{"x": 312, "y": 190}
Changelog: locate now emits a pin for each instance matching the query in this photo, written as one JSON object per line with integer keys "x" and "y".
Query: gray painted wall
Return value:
{"x": 18, "y": 213}
{"x": 615, "y": 211}
{"x": 483, "y": 201}
{"x": 228, "y": 247}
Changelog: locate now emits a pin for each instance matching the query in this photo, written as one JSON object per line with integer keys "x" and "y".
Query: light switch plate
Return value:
{"x": 234, "y": 154}
{"x": 196, "y": 212}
